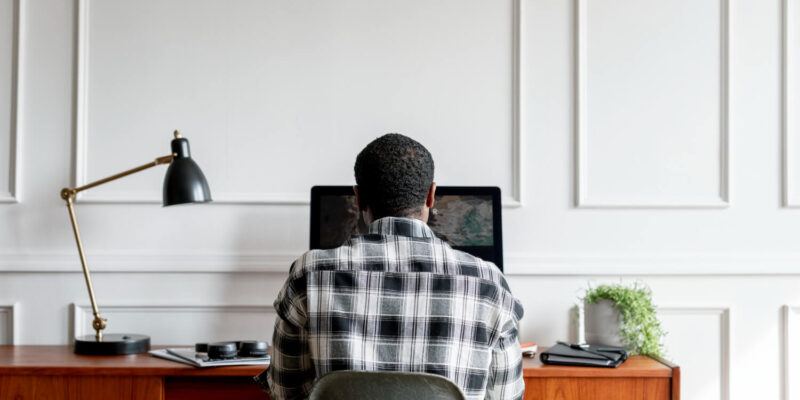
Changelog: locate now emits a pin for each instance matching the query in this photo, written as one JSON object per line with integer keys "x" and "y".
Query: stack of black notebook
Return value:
{"x": 584, "y": 355}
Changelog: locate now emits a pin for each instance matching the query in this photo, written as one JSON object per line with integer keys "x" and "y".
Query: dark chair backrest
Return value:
{"x": 369, "y": 385}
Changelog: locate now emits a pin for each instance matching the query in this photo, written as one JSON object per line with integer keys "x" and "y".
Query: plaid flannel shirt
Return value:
{"x": 396, "y": 299}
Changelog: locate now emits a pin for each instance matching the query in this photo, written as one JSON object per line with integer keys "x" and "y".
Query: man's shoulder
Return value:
{"x": 346, "y": 257}
{"x": 471, "y": 265}
{"x": 317, "y": 259}
{"x": 493, "y": 283}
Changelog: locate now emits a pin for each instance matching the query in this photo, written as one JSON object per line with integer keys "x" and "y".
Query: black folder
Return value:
{"x": 591, "y": 356}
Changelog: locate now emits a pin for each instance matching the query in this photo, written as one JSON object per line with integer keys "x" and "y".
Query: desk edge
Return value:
{"x": 676, "y": 376}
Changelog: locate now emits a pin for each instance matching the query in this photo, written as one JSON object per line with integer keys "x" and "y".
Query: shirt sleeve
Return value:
{"x": 505, "y": 372}
{"x": 291, "y": 372}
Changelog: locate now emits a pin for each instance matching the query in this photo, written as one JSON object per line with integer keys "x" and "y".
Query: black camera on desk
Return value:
{"x": 231, "y": 350}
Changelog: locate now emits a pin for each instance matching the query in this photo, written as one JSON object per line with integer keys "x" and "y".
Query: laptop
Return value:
{"x": 468, "y": 218}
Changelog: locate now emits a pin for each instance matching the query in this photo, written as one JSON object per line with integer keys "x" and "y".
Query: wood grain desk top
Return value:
{"x": 60, "y": 360}
{"x": 633, "y": 367}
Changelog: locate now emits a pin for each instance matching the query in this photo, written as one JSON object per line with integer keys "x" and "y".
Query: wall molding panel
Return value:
{"x": 11, "y": 194}
{"x": 583, "y": 198}
{"x": 81, "y": 131}
{"x": 723, "y": 312}
{"x": 514, "y": 199}
{"x": 791, "y": 352}
{"x": 731, "y": 264}
{"x": 199, "y": 322}
{"x": 791, "y": 101}
{"x": 9, "y": 325}
{"x": 150, "y": 262}
{"x": 517, "y": 264}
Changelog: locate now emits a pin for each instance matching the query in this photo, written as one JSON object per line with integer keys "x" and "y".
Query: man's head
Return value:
{"x": 394, "y": 177}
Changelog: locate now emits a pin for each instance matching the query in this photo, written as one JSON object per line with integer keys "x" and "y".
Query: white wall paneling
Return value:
{"x": 791, "y": 352}
{"x": 527, "y": 264}
{"x": 9, "y": 315}
{"x": 180, "y": 324}
{"x": 155, "y": 262}
{"x": 791, "y": 103}
{"x": 134, "y": 100}
{"x": 699, "y": 329}
{"x": 10, "y": 141}
{"x": 569, "y": 105}
{"x": 516, "y": 264}
{"x": 652, "y": 104}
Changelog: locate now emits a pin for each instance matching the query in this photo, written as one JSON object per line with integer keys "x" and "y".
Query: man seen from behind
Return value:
{"x": 396, "y": 298}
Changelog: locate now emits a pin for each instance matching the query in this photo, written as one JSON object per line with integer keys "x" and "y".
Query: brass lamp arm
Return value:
{"x": 68, "y": 194}
{"x": 71, "y": 192}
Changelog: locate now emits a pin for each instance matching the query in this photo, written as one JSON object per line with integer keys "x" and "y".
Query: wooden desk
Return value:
{"x": 640, "y": 378}
{"x": 55, "y": 372}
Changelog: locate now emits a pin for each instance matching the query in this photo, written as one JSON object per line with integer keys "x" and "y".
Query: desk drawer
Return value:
{"x": 70, "y": 387}
{"x": 212, "y": 387}
{"x": 605, "y": 388}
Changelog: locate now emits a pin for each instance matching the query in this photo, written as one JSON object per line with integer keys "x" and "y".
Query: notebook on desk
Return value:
{"x": 469, "y": 218}
{"x": 588, "y": 356}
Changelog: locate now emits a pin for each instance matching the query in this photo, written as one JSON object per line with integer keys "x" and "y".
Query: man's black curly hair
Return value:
{"x": 394, "y": 174}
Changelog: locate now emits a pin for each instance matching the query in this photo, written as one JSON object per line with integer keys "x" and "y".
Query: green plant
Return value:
{"x": 640, "y": 329}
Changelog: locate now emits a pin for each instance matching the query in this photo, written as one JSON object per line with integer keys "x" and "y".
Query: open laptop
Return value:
{"x": 466, "y": 217}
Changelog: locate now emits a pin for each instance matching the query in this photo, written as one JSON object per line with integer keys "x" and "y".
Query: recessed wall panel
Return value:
{"x": 651, "y": 103}
{"x": 8, "y": 98}
{"x": 278, "y": 96}
{"x": 705, "y": 362}
{"x": 7, "y": 328}
{"x": 791, "y": 352}
{"x": 791, "y": 76}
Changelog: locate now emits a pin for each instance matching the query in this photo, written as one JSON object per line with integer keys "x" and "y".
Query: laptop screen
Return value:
{"x": 467, "y": 218}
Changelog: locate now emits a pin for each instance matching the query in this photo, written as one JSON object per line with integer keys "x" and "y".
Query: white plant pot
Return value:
{"x": 602, "y": 321}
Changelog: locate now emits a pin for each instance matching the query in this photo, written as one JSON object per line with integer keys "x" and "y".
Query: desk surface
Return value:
{"x": 29, "y": 372}
{"x": 60, "y": 360}
{"x": 633, "y": 367}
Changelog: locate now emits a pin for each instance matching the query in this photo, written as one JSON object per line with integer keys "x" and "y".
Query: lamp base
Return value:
{"x": 112, "y": 344}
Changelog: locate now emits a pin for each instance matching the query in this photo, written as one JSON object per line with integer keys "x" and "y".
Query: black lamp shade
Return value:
{"x": 184, "y": 181}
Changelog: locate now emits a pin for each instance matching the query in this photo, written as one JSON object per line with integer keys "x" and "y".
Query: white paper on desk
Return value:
{"x": 187, "y": 355}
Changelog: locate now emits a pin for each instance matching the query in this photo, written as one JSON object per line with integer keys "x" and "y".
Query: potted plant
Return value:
{"x": 618, "y": 315}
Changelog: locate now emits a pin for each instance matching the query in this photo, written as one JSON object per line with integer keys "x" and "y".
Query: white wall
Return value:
{"x": 644, "y": 140}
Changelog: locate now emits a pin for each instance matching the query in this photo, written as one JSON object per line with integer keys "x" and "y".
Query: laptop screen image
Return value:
{"x": 468, "y": 218}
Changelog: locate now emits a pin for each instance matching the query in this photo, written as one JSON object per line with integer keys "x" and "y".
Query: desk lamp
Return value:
{"x": 183, "y": 183}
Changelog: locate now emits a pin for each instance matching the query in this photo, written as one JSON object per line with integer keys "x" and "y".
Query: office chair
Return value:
{"x": 369, "y": 385}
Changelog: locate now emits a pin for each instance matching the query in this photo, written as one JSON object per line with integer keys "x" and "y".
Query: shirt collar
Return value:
{"x": 400, "y": 226}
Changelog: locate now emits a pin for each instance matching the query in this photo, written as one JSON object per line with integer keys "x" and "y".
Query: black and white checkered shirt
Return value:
{"x": 396, "y": 299}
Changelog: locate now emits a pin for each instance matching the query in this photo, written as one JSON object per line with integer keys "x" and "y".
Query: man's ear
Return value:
{"x": 364, "y": 211}
{"x": 361, "y": 207}
{"x": 429, "y": 199}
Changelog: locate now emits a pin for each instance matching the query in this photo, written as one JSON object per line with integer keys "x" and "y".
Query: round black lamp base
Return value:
{"x": 112, "y": 344}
